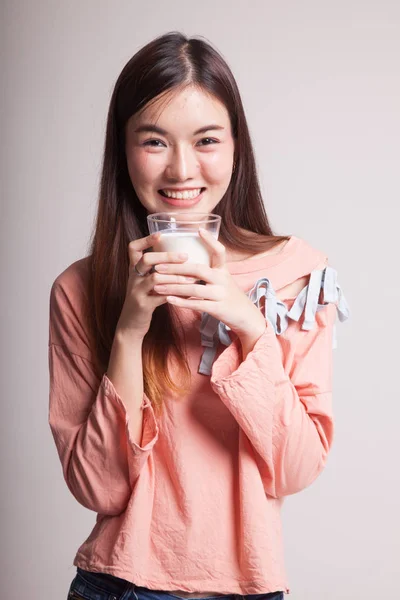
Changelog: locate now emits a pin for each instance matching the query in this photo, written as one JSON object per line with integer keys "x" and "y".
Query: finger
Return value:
{"x": 158, "y": 278}
{"x": 149, "y": 259}
{"x": 145, "y": 261}
{"x": 155, "y": 258}
{"x": 156, "y": 299}
{"x": 142, "y": 243}
{"x": 209, "y": 292}
{"x": 217, "y": 250}
{"x": 136, "y": 247}
{"x": 196, "y": 270}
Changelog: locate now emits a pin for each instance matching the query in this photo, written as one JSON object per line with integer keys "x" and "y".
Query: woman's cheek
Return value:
{"x": 145, "y": 166}
{"x": 218, "y": 168}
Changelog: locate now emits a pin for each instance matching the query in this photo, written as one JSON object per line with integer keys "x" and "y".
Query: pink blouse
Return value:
{"x": 197, "y": 505}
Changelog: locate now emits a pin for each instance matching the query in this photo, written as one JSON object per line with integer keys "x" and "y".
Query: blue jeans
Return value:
{"x": 101, "y": 586}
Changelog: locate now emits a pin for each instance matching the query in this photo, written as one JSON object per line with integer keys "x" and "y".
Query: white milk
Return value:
{"x": 183, "y": 241}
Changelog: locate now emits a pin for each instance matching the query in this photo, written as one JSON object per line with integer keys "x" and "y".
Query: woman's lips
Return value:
{"x": 182, "y": 201}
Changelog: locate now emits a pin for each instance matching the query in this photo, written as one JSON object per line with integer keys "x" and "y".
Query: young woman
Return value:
{"x": 184, "y": 413}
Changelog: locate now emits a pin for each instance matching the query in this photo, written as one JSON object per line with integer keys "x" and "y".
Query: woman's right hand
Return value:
{"x": 141, "y": 299}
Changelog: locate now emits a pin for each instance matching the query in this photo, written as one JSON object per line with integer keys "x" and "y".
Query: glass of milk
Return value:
{"x": 180, "y": 233}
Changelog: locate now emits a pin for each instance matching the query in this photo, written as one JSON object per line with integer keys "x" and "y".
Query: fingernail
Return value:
{"x": 182, "y": 255}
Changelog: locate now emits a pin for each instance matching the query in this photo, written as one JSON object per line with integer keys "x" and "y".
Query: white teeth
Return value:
{"x": 187, "y": 195}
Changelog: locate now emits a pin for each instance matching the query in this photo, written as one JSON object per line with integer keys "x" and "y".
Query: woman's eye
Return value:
{"x": 211, "y": 140}
{"x": 151, "y": 142}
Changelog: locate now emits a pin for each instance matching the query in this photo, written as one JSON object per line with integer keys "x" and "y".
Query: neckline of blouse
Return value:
{"x": 251, "y": 264}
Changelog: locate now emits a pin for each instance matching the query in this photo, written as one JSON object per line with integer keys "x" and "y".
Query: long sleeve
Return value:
{"x": 281, "y": 397}
{"x": 88, "y": 420}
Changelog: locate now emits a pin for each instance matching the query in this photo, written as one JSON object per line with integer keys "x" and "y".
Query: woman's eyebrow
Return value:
{"x": 149, "y": 128}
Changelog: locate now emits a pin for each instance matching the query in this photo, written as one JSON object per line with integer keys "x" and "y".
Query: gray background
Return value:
{"x": 321, "y": 87}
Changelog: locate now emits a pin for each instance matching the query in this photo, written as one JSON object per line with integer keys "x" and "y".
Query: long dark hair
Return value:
{"x": 168, "y": 63}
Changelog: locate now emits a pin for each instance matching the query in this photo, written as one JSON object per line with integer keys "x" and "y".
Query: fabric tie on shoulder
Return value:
{"x": 208, "y": 331}
{"x": 277, "y": 313}
{"x": 276, "y": 309}
{"x": 308, "y": 298}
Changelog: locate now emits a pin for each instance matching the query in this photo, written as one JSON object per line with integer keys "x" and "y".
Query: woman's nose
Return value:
{"x": 182, "y": 165}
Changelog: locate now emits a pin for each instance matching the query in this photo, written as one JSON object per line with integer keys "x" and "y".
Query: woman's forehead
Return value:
{"x": 189, "y": 105}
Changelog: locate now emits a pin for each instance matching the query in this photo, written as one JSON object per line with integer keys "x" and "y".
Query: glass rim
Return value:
{"x": 214, "y": 218}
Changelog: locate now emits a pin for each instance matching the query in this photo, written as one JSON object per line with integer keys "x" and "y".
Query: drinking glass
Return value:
{"x": 180, "y": 233}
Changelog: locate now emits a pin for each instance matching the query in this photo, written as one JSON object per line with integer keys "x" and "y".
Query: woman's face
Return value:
{"x": 166, "y": 151}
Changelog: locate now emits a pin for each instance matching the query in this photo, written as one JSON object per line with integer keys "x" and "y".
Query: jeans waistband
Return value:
{"x": 104, "y": 581}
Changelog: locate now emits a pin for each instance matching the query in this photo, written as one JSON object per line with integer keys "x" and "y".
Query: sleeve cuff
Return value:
{"x": 230, "y": 366}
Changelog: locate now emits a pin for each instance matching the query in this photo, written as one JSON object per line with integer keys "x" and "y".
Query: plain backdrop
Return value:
{"x": 320, "y": 84}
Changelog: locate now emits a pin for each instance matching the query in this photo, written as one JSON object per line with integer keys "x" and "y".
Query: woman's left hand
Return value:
{"x": 220, "y": 297}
